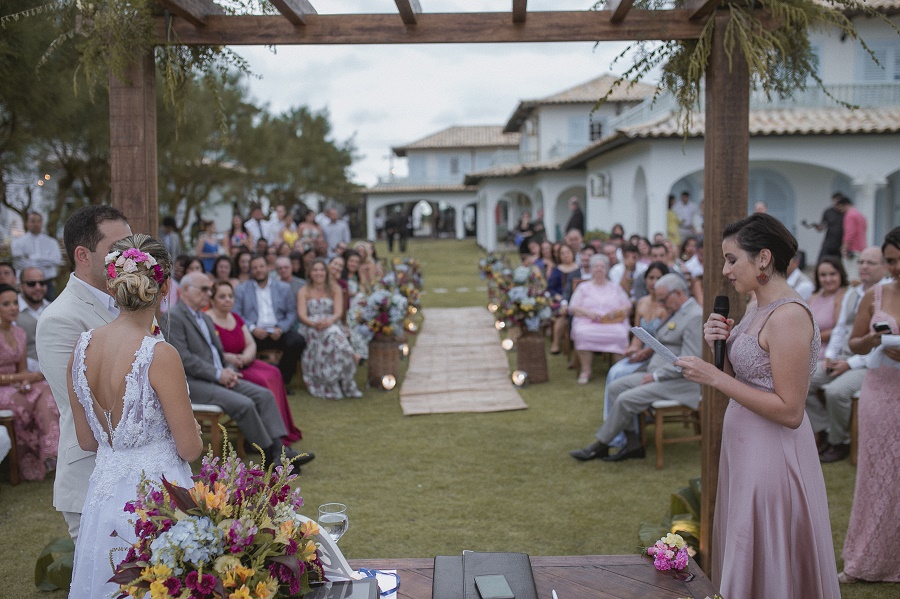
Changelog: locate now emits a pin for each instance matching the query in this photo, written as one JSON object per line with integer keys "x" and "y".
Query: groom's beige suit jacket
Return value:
{"x": 75, "y": 311}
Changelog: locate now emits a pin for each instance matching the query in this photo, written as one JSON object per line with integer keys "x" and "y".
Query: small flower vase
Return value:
{"x": 384, "y": 358}
{"x": 531, "y": 356}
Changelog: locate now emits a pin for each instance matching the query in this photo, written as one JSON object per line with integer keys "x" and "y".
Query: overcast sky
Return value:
{"x": 384, "y": 96}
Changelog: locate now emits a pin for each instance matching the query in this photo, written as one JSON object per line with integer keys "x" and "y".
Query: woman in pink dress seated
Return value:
{"x": 240, "y": 353}
{"x": 600, "y": 311}
{"x": 771, "y": 532}
{"x": 27, "y": 394}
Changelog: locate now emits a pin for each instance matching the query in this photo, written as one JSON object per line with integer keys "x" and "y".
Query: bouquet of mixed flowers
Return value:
{"x": 381, "y": 312}
{"x": 669, "y": 553}
{"x": 236, "y": 533}
{"x": 491, "y": 264}
{"x": 406, "y": 279}
{"x": 523, "y": 303}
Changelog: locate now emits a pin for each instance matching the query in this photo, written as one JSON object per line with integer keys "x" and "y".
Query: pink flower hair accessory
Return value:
{"x": 129, "y": 260}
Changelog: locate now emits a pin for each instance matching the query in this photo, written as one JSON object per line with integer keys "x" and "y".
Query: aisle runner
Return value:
{"x": 457, "y": 365}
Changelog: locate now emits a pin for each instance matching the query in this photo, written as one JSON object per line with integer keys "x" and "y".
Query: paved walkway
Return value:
{"x": 457, "y": 365}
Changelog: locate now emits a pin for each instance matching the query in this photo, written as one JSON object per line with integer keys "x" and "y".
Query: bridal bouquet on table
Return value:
{"x": 235, "y": 533}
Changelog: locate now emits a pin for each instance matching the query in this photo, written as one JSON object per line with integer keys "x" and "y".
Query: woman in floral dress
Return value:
{"x": 328, "y": 361}
{"x": 27, "y": 394}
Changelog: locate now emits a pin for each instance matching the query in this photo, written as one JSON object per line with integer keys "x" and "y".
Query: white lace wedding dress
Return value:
{"x": 141, "y": 443}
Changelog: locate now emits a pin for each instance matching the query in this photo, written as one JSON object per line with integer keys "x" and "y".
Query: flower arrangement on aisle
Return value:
{"x": 495, "y": 270}
{"x": 523, "y": 304}
{"x": 381, "y": 313}
{"x": 235, "y": 533}
{"x": 669, "y": 553}
{"x": 407, "y": 280}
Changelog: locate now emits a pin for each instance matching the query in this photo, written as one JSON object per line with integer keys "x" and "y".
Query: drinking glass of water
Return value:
{"x": 333, "y": 519}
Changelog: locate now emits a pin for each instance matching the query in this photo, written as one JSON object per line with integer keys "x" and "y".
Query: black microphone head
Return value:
{"x": 721, "y": 305}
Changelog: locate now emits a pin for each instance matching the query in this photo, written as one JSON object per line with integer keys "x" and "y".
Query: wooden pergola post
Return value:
{"x": 725, "y": 187}
{"x": 132, "y": 141}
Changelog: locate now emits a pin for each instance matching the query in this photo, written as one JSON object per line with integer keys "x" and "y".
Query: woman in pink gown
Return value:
{"x": 771, "y": 532}
{"x": 27, "y": 394}
{"x": 870, "y": 547}
{"x": 240, "y": 354}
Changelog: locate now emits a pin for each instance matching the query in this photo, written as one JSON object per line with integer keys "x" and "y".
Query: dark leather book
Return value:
{"x": 516, "y": 567}
{"x": 447, "y": 582}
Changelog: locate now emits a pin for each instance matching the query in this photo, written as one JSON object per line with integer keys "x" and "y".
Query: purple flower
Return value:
{"x": 201, "y": 584}
{"x": 681, "y": 559}
{"x": 173, "y": 585}
{"x": 661, "y": 562}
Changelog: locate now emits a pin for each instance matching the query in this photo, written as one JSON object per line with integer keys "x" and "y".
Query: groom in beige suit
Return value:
{"x": 83, "y": 305}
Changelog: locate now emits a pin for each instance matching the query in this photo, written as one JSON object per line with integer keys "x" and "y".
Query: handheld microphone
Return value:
{"x": 720, "y": 306}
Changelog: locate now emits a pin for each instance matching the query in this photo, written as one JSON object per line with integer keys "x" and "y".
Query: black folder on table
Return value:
{"x": 454, "y": 575}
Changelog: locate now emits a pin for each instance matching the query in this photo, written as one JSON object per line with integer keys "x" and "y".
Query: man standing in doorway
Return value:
{"x": 686, "y": 211}
{"x": 576, "y": 219}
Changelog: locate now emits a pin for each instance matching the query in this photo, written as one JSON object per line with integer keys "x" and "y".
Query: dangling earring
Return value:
{"x": 763, "y": 278}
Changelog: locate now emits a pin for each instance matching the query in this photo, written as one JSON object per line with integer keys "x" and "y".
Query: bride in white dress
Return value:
{"x": 134, "y": 412}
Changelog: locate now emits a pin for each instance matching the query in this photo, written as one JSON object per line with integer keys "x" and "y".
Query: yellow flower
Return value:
{"x": 310, "y": 551}
{"x": 244, "y": 573}
{"x": 309, "y": 528}
{"x": 285, "y": 532}
{"x": 241, "y": 593}
{"x": 162, "y": 571}
{"x": 226, "y": 563}
{"x": 266, "y": 590}
{"x": 671, "y": 326}
{"x": 159, "y": 591}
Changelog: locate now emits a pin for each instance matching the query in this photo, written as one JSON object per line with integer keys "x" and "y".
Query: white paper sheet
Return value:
{"x": 653, "y": 343}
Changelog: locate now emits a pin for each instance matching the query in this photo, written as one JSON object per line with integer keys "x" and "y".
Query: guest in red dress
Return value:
{"x": 240, "y": 353}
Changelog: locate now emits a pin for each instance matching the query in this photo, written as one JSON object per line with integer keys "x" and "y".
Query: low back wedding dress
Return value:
{"x": 140, "y": 443}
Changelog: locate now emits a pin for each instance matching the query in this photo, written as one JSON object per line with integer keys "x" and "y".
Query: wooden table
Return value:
{"x": 573, "y": 577}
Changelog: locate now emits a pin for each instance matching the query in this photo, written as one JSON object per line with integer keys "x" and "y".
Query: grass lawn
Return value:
{"x": 422, "y": 486}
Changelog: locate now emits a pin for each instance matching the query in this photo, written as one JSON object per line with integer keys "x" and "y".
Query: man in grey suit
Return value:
{"x": 270, "y": 311}
{"x": 83, "y": 305}
{"x": 32, "y": 301}
{"x": 193, "y": 334}
{"x": 682, "y": 333}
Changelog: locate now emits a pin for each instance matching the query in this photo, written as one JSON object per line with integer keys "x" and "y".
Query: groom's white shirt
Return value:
{"x": 79, "y": 308}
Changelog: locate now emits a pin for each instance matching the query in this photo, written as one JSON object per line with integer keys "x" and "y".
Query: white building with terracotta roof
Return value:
{"x": 623, "y": 159}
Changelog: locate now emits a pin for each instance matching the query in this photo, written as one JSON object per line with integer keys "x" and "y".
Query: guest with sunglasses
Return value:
{"x": 32, "y": 301}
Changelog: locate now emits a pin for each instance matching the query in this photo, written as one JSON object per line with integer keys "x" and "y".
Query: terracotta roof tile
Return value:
{"x": 470, "y": 136}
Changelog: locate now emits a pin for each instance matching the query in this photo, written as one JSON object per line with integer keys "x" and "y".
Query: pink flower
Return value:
{"x": 111, "y": 271}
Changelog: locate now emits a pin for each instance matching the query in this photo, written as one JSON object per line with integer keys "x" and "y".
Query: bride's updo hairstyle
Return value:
{"x": 136, "y": 268}
{"x": 760, "y": 232}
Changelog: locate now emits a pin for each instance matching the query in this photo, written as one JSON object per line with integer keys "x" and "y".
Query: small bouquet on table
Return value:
{"x": 236, "y": 533}
{"x": 669, "y": 553}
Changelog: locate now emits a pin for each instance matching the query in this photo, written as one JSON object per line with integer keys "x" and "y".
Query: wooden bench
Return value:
{"x": 668, "y": 410}
{"x": 210, "y": 416}
{"x": 7, "y": 419}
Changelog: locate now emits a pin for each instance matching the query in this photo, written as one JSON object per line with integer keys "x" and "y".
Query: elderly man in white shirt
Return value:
{"x": 841, "y": 374}
{"x": 38, "y": 250}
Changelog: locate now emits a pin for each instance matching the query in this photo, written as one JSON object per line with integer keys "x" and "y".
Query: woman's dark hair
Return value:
{"x": 346, "y": 256}
{"x": 835, "y": 261}
{"x": 4, "y": 288}
{"x": 299, "y": 258}
{"x": 183, "y": 261}
{"x": 760, "y": 232}
{"x": 198, "y": 261}
{"x": 237, "y": 260}
{"x": 660, "y": 266}
{"x": 241, "y": 227}
{"x": 684, "y": 243}
{"x": 221, "y": 283}
{"x": 83, "y": 228}
{"x": 892, "y": 238}
{"x": 231, "y": 266}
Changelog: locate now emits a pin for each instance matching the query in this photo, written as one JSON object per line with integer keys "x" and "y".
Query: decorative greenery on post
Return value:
{"x": 774, "y": 36}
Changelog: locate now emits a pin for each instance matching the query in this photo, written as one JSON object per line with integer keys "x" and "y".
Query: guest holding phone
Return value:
{"x": 771, "y": 531}
{"x": 875, "y": 519}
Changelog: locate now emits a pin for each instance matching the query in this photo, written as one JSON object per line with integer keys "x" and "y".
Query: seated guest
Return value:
{"x": 649, "y": 314}
{"x": 825, "y": 302}
{"x": 557, "y": 284}
{"x": 242, "y": 267}
{"x": 270, "y": 310}
{"x": 625, "y": 272}
{"x": 223, "y": 270}
{"x": 27, "y": 394}
{"x": 643, "y": 244}
{"x": 600, "y": 311}
{"x": 367, "y": 267}
{"x": 329, "y": 364}
{"x": 350, "y": 274}
{"x": 252, "y": 407}
{"x": 547, "y": 257}
{"x": 32, "y": 302}
{"x": 802, "y": 284}
{"x": 240, "y": 353}
{"x": 533, "y": 256}
{"x": 659, "y": 253}
{"x": 611, "y": 251}
{"x": 840, "y": 375}
{"x": 682, "y": 334}
{"x": 285, "y": 271}
{"x": 584, "y": 263}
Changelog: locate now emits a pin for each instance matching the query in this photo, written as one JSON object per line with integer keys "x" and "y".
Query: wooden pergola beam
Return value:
{"x": 194, "y": 12}
{"x": 409, "y": 10}
{"x": 434, "y": 28}
{"x": 700, "y": 9}
{"x": 618, "y": 9}
{"x": 294, "y": 11}
{"x": 519, "y": 11}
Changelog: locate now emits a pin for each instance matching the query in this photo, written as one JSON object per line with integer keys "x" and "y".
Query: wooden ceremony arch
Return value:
{"x": 132, "y": 109}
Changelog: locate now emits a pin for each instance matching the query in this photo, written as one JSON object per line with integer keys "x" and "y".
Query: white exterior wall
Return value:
{"x": 432, "y": 167}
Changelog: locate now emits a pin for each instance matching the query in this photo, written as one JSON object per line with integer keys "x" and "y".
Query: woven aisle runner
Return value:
{"x": 457, "y": 365}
